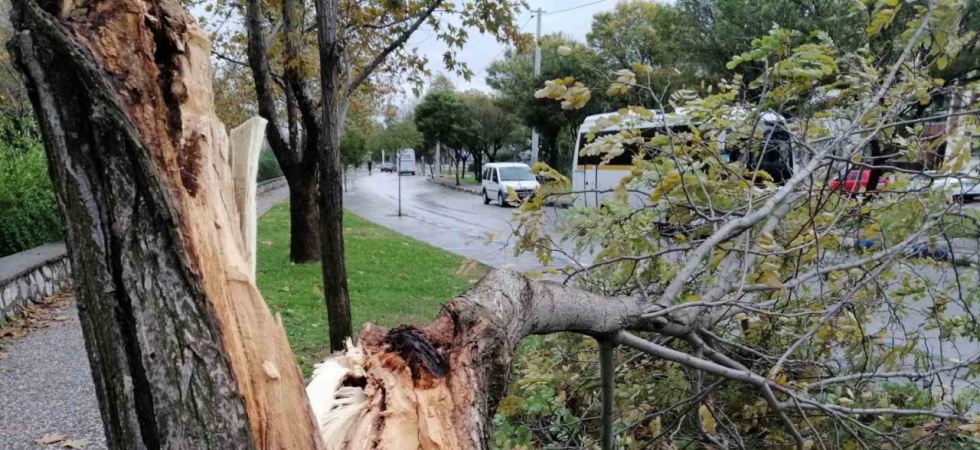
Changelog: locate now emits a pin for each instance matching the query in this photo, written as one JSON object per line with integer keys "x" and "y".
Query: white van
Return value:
{"x": 499, "y": 178}
{"x": 405, "y": 162}
{"x": 594, "y": 181}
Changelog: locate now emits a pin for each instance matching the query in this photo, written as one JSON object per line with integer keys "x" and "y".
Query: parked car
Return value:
{"x": 857, "y": 181}
{"x": 959, "y": 187}
{"x": 387, "y": 167}
{"x": 500, "y": 178}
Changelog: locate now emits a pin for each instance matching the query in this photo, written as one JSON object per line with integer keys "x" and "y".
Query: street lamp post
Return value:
{"x": 398, "y": 156}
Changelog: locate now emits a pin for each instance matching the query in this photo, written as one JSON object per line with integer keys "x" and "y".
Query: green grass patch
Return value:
{"x": 393, "y": 280}
{"x": 464, "y": 178}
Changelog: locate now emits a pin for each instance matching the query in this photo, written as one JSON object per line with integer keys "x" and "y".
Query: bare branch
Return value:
{"x": 352, "y": 85}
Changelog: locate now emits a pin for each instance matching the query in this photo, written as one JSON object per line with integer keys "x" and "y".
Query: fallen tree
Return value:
{"x": 185, "y": 353}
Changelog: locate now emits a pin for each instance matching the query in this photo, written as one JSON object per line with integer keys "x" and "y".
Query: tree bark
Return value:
{"x": 331, "y": 177}
{"x": 304, "y": 214}
{"x": 298, "y": 158}
{"x": 437, "y": 387}
{"x": 183, "y": 349}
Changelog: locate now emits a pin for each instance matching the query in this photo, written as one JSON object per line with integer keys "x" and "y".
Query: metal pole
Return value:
{"x": 537, "y": 71}
{"x": 399, "y": 158}
{"x": 607, "y": 372}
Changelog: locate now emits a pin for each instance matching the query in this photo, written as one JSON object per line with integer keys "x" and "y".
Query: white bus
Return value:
{"x": 594, "y": 181}
{"x": 405, "y": 161}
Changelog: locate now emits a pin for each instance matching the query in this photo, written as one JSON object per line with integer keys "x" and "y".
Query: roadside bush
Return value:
{"x": 268, "y": 165}
{"x": 28, "y": 212}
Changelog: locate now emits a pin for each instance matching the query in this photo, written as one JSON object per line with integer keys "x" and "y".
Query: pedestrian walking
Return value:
{"x": 370, "y": 163}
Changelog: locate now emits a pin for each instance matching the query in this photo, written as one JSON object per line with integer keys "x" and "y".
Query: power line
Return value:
{"x": 575, "y": 7}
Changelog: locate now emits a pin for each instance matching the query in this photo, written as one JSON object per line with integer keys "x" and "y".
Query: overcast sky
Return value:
{"x": 571, "y": 17}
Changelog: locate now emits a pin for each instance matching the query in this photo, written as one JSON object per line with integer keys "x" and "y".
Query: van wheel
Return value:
{"x": 500, "y": 200}
{"x": 486, "y": 200}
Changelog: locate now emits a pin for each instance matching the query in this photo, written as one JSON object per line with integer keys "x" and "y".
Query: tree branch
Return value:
{"x": 352, "y": 85}
{"x": 258, "y": 60}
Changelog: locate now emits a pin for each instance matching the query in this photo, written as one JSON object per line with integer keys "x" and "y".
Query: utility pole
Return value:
{"x": 537, "y": 71}
{"x": 438, "y": 159}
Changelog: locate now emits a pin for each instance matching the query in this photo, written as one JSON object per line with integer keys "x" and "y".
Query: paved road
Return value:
{"x": 46, "y": 383}
{"x": 458, "y": 222}
{"x": 448, "y": 219}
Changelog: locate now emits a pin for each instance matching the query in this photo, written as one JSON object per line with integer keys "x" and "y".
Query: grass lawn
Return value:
{"x": 393, "y": 280}
{"x": 467, "y": 178}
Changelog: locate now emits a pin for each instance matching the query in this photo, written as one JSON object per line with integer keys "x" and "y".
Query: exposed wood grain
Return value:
{"x": 176, "y": 331}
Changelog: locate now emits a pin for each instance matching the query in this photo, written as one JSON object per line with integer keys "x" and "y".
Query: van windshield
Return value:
{"x": 516, "y": 173}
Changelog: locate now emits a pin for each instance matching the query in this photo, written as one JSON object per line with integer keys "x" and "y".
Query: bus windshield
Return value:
{"x": 516, "y": 173}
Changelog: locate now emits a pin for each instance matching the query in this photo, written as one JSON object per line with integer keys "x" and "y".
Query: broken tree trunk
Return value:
{"x": 183, "y": 349}
{"x": 437, "y": 387}
{"x": 246, "y": 144}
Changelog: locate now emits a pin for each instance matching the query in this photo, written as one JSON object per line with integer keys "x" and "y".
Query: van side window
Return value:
{"x": 485, "y": 173}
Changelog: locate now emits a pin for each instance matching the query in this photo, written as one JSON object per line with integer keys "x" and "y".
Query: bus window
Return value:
{"x": 630, "y": 150}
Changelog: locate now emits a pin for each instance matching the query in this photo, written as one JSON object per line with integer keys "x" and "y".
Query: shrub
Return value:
{"x": 28, "y": 213}
{"x": 268, "y": 166}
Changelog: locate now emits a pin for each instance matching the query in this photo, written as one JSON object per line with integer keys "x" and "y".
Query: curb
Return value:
{"x": 467, "y": 189}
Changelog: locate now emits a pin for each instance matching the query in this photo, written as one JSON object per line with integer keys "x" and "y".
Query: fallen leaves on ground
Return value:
{"x": 45, "y": 314}
{"x": 52, "y": 438}
{"x": 62, "y": 438}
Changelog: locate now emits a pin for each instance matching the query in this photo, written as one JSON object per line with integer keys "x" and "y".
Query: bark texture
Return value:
{"x": 298, "y": 155}
{"x": 183, "y": 349}
{"x": 304, "y": 213}
{"x": 332, "y": 175}
{"x": 437, "y": 387}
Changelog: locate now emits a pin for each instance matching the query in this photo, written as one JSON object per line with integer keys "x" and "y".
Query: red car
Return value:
{"x": 857, "y": 180}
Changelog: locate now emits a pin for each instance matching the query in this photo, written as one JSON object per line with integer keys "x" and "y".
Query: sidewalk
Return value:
{"x": 46, "y": 383}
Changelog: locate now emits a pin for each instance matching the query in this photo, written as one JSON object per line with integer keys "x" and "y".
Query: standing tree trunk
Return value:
{"x": 297, "y": 157}
{"x": 304, "y": 213}
{"x": 183, "y": 349}
{"x": 331, "y": 177}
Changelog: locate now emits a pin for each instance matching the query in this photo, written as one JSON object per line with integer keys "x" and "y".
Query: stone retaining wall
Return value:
{"x": 31, "y": 275}
{"x": 269, "y": 185}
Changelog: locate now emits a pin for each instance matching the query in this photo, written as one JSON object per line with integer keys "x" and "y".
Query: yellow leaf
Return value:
{"x": 76, "y": 443}
{"x": 655, "y": 427}
{"x": 707, "y": 419}
{"x": 771, "y": 278}
{"x": 51, "y": 438}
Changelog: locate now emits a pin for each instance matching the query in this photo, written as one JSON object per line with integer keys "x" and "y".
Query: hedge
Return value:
{"x": 28, "y": 210}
